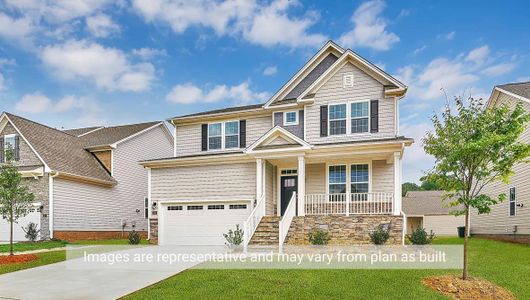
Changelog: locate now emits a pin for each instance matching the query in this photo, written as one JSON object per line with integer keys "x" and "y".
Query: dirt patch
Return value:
{"x": 473, "y": 288}
{"x": 17, "y": 259}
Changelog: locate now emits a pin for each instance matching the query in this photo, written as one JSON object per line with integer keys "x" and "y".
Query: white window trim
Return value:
{"x": 360, "y": 182}
{"x": 514, "y": 201}
{"x": 223, "y": 135}
{"x": 296, "y": 122}
{"x": 349, "y": 118}
{"x": 7, "y": 136}
{"x": 348, "y": 174}
{"x": 327, "y": 176}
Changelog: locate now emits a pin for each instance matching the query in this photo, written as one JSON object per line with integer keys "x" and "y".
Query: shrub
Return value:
{"x": 32, "y": 231}
{"x": 420, "y": 237}
{"x": 234, "y": 237}
{"x": 134, "y": 238}
{"x": 380, "y": 235}
{"x": 319, "y": 237}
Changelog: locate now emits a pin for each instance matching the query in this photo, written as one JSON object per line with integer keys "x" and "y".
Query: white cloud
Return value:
{"x": 57, "y": 11}
{"x": 369, "y": 28}
{"x": 270, "y": 70}
{"x": 415, "y": 161}
{"x": 107, "y": 68}
{"x": 499, "y": 69}
{"x": 447, "y": 36}
{"x": 419, "y": 50}
{"x": 257, "y": 22}
{"x": 16, "y": 29}
{"x": 404, "y": 13}
{"x": 188, "y": 93}
{"x": 442, "y": 73}
{"x": 523, "y": 79}
{"x": 149, "y": 53}
{"x": 38, "y": 103}
{"x": 101, "y": 25}
{"x": 478, "y": 55}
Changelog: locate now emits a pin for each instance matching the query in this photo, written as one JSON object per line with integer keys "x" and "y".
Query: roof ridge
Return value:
{"x": 132, "y": 124}
{"x": 40, "y": 124}
{"x": 514, "y": 83}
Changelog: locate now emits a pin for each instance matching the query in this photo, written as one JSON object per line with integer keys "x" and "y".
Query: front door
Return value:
{"x": 288, "y": 185}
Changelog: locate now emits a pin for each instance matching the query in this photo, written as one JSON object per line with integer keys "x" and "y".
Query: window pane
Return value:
{"x": 232, "y": 128}
{"x": 232, "y": 141}
{"x": 359, "y": 109}
{"x": 337, "y": 111}
{"x": 214, "y": 129}
{"x": 359, "y": 125}
{"x": 512, "y": 194}
{"x": 9, "y": 142}
{"x": 337, "y": 127}
{"x": 290, "y": 117}
{"x": 359, "y": 173}
{"x": 337, "y": 188}
{"x": 214, "y": 143}
{"x": 337, "y": 174}
{"x": 359, "y": 188}
{"x": 512, "y": 208}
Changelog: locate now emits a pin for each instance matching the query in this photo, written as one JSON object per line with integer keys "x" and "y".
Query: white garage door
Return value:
{"x": 200, "y": 223}
{"x": 18, "y": 234}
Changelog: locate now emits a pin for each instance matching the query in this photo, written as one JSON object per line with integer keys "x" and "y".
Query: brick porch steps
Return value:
{"x": 267, "y": 232}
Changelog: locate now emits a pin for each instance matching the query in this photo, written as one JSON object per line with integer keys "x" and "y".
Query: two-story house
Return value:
{"x": 510, "y": 219}
{"x": 323, "y": 152}
{"x": 87, "y": 182}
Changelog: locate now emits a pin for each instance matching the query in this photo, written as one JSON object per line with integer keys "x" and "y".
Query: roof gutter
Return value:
{"x": 84, "y": 179}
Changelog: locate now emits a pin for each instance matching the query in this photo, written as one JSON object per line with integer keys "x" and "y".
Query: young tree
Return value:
{"x": 15, "y": 199}
{"x": 474, "y": 146}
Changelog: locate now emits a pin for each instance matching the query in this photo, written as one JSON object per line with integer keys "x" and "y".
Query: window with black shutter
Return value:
{"x": 374, "y": 116}
{"x": 204, "y": 137}
{"x": 324, "y": 120}
{"x": 242, "y": 133}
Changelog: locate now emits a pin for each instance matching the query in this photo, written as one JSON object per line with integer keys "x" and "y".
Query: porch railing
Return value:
{"x": 286, "y": 220}
{"x": 252, "y": 222}
{"x": 349, "y": 204}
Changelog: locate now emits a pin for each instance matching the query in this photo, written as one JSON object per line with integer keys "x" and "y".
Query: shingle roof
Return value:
{"x": 519, "y": 88}
{"x": 80, "y": 131}
{"x": 60, "y": 151}
{"x": 110, "y": 135}
{"x": 221, "y": 110}
{"x": 426, "y": 203}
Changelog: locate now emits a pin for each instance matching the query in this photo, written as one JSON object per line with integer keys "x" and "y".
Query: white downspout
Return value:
{"x": 149, "y": 204}
{"x": 50, "y": 203}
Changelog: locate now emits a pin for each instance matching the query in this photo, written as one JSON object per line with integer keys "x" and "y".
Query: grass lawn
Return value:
{"x": 506, "y": 264}
{"x": 28, "y": 246}
{"x": 45, "y": 258}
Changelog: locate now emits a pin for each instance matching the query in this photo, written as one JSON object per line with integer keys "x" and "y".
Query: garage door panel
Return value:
{"x": 199, "y": 227}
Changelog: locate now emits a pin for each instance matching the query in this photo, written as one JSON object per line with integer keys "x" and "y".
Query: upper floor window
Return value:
{"x": 337, "y": 119}
{"x": 223, "y": 135}
{"x": 9, "y": 146}
{"x": 359, "y": 117}
{"x": 513, "y": 201}
{"x": 290, "y": 118}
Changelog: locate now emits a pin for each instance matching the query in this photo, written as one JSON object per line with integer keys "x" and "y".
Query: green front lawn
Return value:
{"x": 503, "y": 263}
{"x": 30, "y": 246}
{"x": 45, "y": 258}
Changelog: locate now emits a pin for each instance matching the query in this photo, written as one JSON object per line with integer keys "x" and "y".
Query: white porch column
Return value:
{"x": 397, "y": 183}
{"x": 301, "y": 186}
{"x": 259, "y": 178}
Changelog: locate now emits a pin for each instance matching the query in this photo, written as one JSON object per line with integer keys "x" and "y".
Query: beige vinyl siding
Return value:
{"x": 270, "y": 204}
{"x": 382, "y": 177}
{"x": 364, "y": 88}
{"x": 189, "y": 136}
{"x": 278, "y": 142}
{"x": 499, "y": 221}
{"x": 442, "y": 224}
{"x": 85, "y": 207}
{"x": 201, "y": 183}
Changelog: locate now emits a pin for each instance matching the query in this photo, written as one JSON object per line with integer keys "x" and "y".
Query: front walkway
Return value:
{"x": 70, "y": 280}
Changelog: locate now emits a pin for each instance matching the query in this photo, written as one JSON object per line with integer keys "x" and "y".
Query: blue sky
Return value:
{"x": 91, "y": 62}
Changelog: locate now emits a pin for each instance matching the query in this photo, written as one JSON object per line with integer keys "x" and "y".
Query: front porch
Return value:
{"x": 357, "y": 191}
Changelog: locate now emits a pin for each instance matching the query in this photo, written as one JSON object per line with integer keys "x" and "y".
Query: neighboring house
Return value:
{"x": 323, "y": 152}
{"x": 87, "y": 182}
{"x": 510, "y": 218}
{"x": 429, "y": 210}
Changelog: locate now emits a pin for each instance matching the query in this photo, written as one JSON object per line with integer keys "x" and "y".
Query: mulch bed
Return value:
{"x": 473, "y": 288}
{"x": 17, "y": 259}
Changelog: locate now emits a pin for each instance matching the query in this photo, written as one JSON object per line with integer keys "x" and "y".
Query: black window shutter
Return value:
{"x": 17, "y": 148}
{"x": 1, "y": 150}
{"x": 324, "y": 120}
{"x": 242, "y": 133}
{"x": 204, "y": 135}
{"x": 374, "y": 116}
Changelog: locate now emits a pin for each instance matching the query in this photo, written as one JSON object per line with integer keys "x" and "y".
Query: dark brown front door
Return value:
{"x": 289, "y": 185}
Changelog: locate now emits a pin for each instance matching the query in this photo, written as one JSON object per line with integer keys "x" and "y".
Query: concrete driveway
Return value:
{"x": 72, "y": 279}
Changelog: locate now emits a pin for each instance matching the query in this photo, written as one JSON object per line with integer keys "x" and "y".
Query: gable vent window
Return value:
{"x": 513, "y": 201}
{"x": 216, "y": 206}
{"x": 195, "y": 207}
{"x": 238, "y": 206}
{"x": 174, "y": 207}
{"x": 347, "y": 80}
